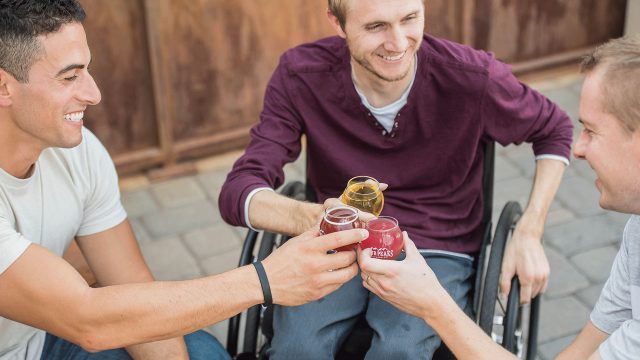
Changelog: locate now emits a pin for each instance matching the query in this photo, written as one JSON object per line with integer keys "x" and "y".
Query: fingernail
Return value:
{"x": 364, "y": 234}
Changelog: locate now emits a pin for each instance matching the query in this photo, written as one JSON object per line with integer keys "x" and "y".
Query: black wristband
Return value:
{"x": 264, "y": 282}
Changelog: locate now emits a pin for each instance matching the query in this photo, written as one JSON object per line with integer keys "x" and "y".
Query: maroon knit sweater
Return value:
{"x": 461, "y": 98}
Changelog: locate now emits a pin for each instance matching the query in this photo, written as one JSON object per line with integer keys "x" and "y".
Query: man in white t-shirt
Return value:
{"x": 57, "y": 184}
{"x": 610, "y": 143}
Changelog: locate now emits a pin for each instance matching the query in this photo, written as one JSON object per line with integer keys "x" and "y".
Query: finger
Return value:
{"x": 362, "y": 255}
{"x": 409, "y": 246}
{"x": 383, "y": 186}
{"x": 372, "y": 286}
{"x": 536, "y": 285}
{"x": 338, "y": 260}
{"x": 544, "y": 287}
{"x": 341, "y": 238}
{"x": 332, "y": 202}
{"x": 375, "y": 266}
{"x": 336, "y": 277}
{"x": 525, "y": 293}
{"x": 540, "y": 285}
{"x": 506, "y": 275}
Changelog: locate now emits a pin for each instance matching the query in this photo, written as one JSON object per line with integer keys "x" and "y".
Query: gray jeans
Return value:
{"x": 318, "y": 329}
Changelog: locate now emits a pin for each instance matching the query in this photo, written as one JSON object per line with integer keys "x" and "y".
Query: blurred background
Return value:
{"x": 184, "y": 79}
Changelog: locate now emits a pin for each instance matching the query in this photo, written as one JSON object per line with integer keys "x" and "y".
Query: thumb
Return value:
{"x": 409, "y": 247}
{"x": 383, "y": 186}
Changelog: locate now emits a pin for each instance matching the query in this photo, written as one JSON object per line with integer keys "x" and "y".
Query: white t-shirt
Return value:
{"x": 617, "y": 311}
{"x": 72, "y": 192}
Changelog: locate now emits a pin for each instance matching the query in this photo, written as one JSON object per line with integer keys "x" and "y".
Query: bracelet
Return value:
{"x": 264, "y": 282}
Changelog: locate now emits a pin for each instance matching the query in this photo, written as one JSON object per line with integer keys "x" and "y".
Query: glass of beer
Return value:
{"x": 340, "y": 218}
{"x": 363, "y": 192}
{"x": 385, "y": 238}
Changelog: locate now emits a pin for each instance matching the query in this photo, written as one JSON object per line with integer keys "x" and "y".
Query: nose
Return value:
{"x": 89, "y": 92}
{"x": 396, "y": 40}
{"x": 579, "y": 148}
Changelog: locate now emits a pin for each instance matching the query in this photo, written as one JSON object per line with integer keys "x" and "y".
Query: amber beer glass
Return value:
{"x": 363, "y": 192}
{"x": 340, "y": 218}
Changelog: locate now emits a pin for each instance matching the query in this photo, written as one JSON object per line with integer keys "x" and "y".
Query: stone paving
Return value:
{"x": 182, "y": 235}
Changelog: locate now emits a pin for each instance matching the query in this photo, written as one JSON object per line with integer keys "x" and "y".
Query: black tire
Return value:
{"x": 534, "y": 317}
{"x": 246, "y": 257}
{"x": 513, "y": 318}
{"x": 509, "y": 216}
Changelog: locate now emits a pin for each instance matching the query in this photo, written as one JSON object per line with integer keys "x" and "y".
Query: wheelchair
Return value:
{"x": 512, "y": 325}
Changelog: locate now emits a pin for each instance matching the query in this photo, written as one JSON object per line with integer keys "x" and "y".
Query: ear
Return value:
{"x": 335, "y": 24}
{"x": 5, "y": 93}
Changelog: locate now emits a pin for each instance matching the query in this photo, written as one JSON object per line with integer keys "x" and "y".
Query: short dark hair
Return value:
{"x": 22, "y": 21}
{"x": 619, "y": 59}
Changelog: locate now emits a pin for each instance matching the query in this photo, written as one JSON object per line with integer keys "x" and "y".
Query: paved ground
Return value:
{"x": 182, "y": 235}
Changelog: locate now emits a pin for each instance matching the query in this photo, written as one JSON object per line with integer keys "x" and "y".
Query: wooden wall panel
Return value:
{"x": 220, "y": 54}
{"x": 518, "y": 30}
{"x": 182, "y": 79}
{"x": 125, "y": 119}
{"x": 445, "y": 19}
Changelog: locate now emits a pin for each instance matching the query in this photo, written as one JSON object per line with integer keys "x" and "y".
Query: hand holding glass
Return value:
{"x": 340, "y": 218}
{"x": 363, "y": 193}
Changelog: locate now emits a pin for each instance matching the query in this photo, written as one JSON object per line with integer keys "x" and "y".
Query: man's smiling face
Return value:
{"x": 384, "y": 35}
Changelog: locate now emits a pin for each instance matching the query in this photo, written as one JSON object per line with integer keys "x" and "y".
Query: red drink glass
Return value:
{"x": 385, "y": 238}
{"x": 340, "y": 218}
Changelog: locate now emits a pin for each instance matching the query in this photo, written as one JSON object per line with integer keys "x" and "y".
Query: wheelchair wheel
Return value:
{"x": 506, "y": 323}
{"x": 255, "y": 313}
{"x": 492, "y": 314}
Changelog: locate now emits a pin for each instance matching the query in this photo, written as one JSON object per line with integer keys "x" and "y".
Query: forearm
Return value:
{"x": 122, "y": 315}
{"x": 545, "y": 186}
{"x": 274, "y": 212}
{"x": 164, "y": 349}
{"x": 586, "y": 344}
{"x": 460, "y": 333}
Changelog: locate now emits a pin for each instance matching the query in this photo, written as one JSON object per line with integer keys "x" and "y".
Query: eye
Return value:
{"x": 374, "y": 27}
{"x": 71, "y": 78}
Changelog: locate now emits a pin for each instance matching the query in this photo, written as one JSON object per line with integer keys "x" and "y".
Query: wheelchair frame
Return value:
{"x": 484, "y": 293}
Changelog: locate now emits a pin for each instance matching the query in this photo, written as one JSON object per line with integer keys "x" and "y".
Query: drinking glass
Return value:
{"x": 340, "y": 218}
{"x": 385, "y": 238}
{"x": 363, "y": 192}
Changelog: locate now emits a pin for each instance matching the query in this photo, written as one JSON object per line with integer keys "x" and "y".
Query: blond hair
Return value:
{"x": 620, "y": 61}
{"x": 339, "y": 9}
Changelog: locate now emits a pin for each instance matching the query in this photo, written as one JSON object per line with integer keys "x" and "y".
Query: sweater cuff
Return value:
{"x": 553, "y": 157}
{"x": 248, "y": 201}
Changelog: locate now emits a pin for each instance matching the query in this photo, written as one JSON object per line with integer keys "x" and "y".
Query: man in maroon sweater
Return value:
{"x": 383, "y": 99}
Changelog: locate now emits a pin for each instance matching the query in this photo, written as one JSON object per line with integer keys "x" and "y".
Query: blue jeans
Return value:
{"x": 318, "y": 329}
{"x": 200, "y": 345}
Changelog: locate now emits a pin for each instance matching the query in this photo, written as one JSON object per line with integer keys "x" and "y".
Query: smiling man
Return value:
{"x": 386, "y": 100}
{"x": 57, "y": 184}
{"x": 610, "y": 143}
